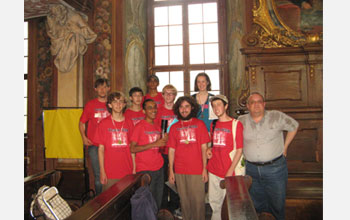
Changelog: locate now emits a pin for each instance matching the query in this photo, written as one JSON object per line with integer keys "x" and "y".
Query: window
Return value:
{"x": 185, "y": 40}
{"x": 25, "y": 75}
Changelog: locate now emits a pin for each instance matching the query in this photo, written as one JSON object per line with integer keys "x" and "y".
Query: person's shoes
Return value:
{"x": 177, "y": 213}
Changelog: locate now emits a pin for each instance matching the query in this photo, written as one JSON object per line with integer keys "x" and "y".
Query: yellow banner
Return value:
{"x": 61, "y": 133}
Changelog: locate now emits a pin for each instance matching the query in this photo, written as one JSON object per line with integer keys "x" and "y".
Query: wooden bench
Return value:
{"x": 114, "y": 203}
{"x": 237, "y": 203}
{"x": 34, "y": 182}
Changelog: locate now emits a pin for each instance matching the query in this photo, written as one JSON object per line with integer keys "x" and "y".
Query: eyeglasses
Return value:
{"x": 169, "y": 94}
{"x": 256, "y": 102}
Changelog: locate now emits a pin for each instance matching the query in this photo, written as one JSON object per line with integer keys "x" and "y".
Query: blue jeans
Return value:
{"x": 157, "y": 184}
{"x": 268, "y": 189}
{"x": 93, "y": 154}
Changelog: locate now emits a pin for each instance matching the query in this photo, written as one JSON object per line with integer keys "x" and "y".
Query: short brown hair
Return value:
{"x": 112, "y": 97}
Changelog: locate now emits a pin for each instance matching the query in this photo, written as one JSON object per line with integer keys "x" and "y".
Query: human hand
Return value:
{"x": 205, "y": 175}
{"x": 171, "y": 177}
{"x": 103, "y": 178}
{"x": 87, "y": 141}
{"x": 209, "y": 153}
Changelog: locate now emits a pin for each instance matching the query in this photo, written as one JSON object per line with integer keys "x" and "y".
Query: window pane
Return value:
{"x": 177, "y": 80}
{"x": 161, "y": 56}
{"x": 161, "y": 36}
{"x": 25, "y": 65}
{"x": 196, "y": 33}
{"x": 160, "y": 16}
{"x": 25, "y": 48}
{"x": 175, "y": 14}
{"x": 195, "y": 13}
{"x": 211, "y": 53}
{"x": 175, "y": 34}
{"x": 25, "y": 29}
{"x": 179, "y": 94}
{"x": 214, "y": 79}
{"x": 163, "y": 80}
{"x": 210, "y": 12}
{"x": 211, "y": 33}
{"x": 196, "y": 54}
{"x": 193, "y": 75}
{"x": 25, "y": 88}
{"x": 175, "y": 55}
{"x": 25, "y": 124}
{"x": 25, "y": 106}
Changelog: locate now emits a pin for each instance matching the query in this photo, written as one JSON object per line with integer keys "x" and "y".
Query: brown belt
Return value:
{"x": 265, "y": 163}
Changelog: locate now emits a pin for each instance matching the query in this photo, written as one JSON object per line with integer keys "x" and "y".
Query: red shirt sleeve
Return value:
{"x": 86, "y": 113}
{"x": 239, "y": 135}
{"x": 172, "y": 137}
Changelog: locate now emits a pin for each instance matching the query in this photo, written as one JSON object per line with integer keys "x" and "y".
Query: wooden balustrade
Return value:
{"x": 237, "y": 204}
{"x": 114, "y": 203}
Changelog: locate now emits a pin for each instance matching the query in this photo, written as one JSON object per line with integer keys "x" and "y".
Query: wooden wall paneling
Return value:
{"x": 117, "y": 57}
{"x": 32, "y": 98}
{"x": 88, "y": 69}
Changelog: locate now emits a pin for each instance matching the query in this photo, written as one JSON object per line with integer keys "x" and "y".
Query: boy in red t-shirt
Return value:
{"x": 166, "y": 113}
{"x": 221, "y": 163}
{"x": 94, "y": 111}
{"x": 152, "y": 92}
{"x": 188, "y": 141}
{"x": 145, "y": 142}
{"x": 113, "y": 136}
{"x": 135, "y": 112}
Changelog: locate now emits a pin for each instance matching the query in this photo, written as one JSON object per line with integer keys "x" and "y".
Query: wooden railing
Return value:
{"x": 114, "y": 203}
{"x": 34, "y": 182}
{"x": 237, "y": 204}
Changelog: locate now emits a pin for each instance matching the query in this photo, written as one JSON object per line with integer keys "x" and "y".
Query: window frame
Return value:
{"x": 186, "y": 67}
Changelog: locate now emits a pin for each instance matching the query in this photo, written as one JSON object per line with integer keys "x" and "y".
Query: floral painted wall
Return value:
{"x": 103, "y": 48}
{"x": 45, "y": 71}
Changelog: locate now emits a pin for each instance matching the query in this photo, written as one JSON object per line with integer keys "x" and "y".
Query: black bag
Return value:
{"x": 143, "y": 205}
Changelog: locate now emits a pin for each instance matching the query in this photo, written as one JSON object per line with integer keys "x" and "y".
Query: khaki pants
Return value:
{"x": 216, "y": 196}
{"x": 191, "y": 190}
{"x": 109, "y": 183}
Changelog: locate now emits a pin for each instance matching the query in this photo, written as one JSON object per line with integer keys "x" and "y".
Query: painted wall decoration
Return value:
{"x": 136, "y": 44}
{"x": 103, "y": 47}
{"x": 45, "y": 71}
{"x": 235, "y": 32}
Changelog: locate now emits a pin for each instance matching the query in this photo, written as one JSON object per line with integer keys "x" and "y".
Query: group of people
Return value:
{"x": 194, "y": 148}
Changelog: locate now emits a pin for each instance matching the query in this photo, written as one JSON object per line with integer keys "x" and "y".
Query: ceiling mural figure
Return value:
{"x": 69, "y": 33}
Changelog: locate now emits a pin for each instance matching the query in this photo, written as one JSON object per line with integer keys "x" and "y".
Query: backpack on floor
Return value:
{"x": 48, "y": 204}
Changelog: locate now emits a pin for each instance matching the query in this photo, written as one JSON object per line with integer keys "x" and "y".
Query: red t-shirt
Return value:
{"x": 94, "y": 112}
{"x": 222, "y": 146}
{"x": 151, "y": 159}
{"x": 186, "y": 138}
{"x": 115, "y": 137}
{"x": 136, "y": 117}
{"x": 158, "y": 99}
{"x": 164, "y": 114}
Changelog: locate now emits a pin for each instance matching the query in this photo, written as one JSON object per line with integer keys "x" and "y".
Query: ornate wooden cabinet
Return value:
{"x": 286, "y": 66}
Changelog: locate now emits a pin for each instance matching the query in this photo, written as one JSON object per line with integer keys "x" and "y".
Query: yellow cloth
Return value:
{"x": 61, "y": 133}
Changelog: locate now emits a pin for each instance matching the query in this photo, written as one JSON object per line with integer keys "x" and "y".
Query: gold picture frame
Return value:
{"x": 271, "y": 31}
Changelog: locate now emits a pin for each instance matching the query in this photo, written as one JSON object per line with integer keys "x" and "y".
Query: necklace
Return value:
{"x": 119, "y": 133}
{"x": 202, "y": 104}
